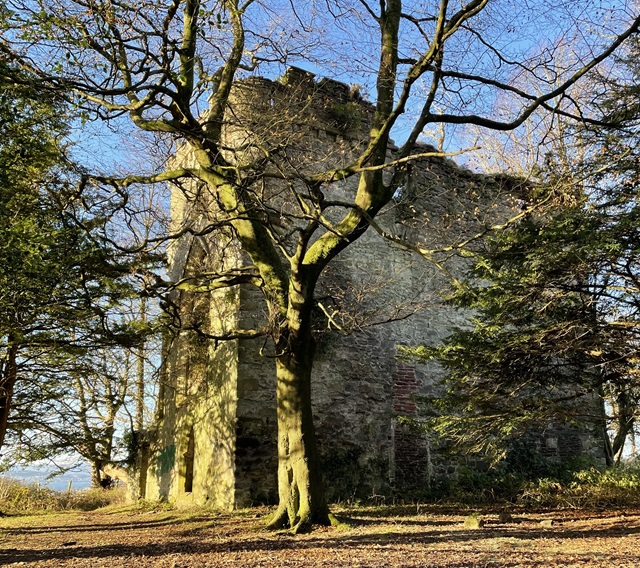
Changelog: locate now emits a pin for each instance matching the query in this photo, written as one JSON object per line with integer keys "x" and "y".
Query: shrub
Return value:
{"x": 91, "y": 499}
{"x": 590, "y": 488}
{"x": 17, "y": 497}
{"x": 544, "y": 485}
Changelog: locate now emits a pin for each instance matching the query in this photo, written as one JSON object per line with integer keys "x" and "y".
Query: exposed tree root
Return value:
{"x": 282, "y": 519}
{"x": 302, "y": 526}
{"x": 278, "y": 520}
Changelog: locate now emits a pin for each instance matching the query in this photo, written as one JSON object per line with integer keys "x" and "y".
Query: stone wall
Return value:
{"x": 195, "y": 448}
{"x": 217, "y": 437}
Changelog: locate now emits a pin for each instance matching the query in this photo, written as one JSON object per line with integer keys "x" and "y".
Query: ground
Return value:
{"x": 407, "y": 536}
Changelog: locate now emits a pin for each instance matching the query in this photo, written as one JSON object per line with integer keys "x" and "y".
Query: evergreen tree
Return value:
{"x": 556, "y": 303}
{"x": 537, "y": 345}
{"x": 60, "y": 284}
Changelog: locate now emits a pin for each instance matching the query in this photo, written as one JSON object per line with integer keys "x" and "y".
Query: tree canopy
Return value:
{"x": 62, "y": 287}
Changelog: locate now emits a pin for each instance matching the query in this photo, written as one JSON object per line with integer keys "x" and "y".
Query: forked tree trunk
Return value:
{"x": 301, "y": 493}
{"x": 621, "y": 424}
{"x": 624, "y": 410}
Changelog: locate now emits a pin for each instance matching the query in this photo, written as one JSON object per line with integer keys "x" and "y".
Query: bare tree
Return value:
{"x": 157, "y": 64}
{"x": 74, "y": 406}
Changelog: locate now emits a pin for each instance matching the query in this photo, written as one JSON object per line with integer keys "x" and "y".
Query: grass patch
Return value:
{"x": 17, "y": 497}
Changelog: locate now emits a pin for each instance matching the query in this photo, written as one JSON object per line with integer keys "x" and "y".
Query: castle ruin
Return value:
{"x": 217, "y": 433}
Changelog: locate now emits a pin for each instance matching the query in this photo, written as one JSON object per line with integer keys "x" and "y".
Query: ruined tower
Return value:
{"x": 216, "y": 442}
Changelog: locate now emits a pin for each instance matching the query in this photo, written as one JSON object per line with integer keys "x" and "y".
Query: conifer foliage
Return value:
{"x": 556, "y": 303}
{"x": 59, "y": 282}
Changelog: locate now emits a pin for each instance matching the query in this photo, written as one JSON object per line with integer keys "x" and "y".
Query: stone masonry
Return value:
{"x": 217, "y": 434}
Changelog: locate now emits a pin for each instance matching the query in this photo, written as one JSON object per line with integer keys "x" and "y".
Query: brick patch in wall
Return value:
{"x": 411, "y": 453}
{"x": 405, "y": 387}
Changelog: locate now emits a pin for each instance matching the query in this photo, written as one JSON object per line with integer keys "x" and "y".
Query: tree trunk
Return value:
{"x": 140, "y": 371}
{"x": 622, "y": 424}
{"x": 301, "y": 493}
{"x": 96, "y": 474}
{"x": 8, "y": 379}
{"x": 624, "y": 414}
{"x": 300, "y": 486}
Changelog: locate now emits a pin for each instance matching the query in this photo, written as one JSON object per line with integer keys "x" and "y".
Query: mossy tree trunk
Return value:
{"x": 300, "y": 485}
{"x": 301, "y": 491}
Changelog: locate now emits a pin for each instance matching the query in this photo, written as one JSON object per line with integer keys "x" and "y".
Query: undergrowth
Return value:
{"x": 592, "y": 488}
{"x": 524, "y": 478}
{"x": 540, "y": 485}
{"x": 544, "y": 486}
{"x": 17, "y": 497}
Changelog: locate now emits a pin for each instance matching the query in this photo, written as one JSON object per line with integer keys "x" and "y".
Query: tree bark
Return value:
{"x": 7, "y": 383}
{"x": 300, "y": 486}
{"x": 301, "y": 492}
{"x": 622, "y": 424}
{"x": 96, "y": 474}
{"x": 624, "y": 415}
{"x": 140, "y": 372}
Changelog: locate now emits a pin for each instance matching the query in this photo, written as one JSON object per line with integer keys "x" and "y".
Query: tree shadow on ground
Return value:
{"x": 216, "y": 539}
{"x": 170, "y": 520}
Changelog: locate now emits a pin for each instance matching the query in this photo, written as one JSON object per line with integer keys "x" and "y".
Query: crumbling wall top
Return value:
{"x": 326, "y": 104}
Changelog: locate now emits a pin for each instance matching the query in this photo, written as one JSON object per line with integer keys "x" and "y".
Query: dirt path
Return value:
{"x": 176, "y": 539}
